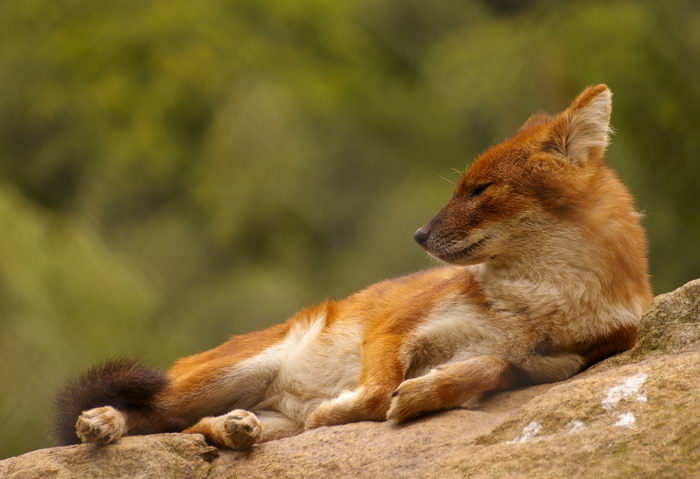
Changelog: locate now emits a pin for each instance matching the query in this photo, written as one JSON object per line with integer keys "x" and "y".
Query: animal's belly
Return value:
{"x": 321, "y": 367}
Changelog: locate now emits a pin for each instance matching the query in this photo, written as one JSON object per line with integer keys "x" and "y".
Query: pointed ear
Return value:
{"x": 582, "y": 130}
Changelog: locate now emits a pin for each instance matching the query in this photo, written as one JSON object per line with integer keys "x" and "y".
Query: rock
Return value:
{"x": 634, "y": 415}
{"x": 639, "y": 420}
{"x": 672, "y": 325}
{"x": 166, "y": 456}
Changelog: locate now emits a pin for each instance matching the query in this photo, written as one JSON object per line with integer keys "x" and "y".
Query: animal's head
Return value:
{"x": 541, "y": 177}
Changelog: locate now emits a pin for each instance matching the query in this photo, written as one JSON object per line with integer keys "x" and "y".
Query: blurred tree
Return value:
{"x": 172, "y": 172}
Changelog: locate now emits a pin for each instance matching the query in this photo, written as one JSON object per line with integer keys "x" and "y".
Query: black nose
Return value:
{"x": 421, "y": 235}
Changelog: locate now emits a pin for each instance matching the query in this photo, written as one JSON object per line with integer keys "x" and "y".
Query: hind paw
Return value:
{"x": 101, "y": 425}
{"x": 238, "y": 429}
{"x": 242, "y": 429}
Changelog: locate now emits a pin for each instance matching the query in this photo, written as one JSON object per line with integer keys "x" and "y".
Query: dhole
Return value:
{"x": 546, "y": 274}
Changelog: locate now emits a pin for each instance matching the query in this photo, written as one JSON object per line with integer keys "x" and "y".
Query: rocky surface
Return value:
{"x": 634, "y": 415}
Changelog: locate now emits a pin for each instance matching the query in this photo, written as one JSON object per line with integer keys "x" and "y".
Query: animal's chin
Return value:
{"x": 464, "y": 256}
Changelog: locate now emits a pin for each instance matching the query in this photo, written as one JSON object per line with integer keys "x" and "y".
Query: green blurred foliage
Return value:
{"x": 172, "y": 172}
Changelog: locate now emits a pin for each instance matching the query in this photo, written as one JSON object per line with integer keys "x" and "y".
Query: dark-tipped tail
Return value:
{"x": 123, "y": 384}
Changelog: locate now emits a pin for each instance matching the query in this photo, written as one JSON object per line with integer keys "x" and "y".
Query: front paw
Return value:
{"x": 411, "y": 398}
{"x": 101, "y": 425}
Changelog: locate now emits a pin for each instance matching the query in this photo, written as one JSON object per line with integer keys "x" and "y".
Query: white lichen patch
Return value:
{"x": 527, "y": 433}
{"x": 626, "y": 389}
{"x": 626, "y": 419}
{"x": 575, "y": 426}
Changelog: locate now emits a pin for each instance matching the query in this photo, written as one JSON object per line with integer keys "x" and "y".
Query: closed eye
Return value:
{"x": 478, "y": 190}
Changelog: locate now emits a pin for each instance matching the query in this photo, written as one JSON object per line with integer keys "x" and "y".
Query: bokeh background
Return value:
{"x": 172, "y": 172}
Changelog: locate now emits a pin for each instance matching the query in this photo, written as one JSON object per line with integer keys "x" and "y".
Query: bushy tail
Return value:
{"x": 121, "y": 383}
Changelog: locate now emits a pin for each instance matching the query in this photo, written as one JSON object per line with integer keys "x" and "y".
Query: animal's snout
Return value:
{"x": 421, "y": 235}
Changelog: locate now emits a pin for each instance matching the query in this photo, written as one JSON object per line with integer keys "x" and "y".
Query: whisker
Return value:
{"x": 433, "y": 259}
{"x": 449, "y": 181}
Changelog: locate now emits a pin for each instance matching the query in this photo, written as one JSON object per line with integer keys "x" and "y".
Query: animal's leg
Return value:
{"x": 449, "y": 385}
{"x": 123, "y": 397}
{"x": 240, "y": 429}
{"x": 382, "y": 372}
{"x": 277, "y": 426}
{"x": 236, "y": 430}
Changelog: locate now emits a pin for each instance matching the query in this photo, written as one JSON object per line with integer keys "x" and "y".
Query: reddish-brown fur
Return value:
{"x": 561, "y": 283}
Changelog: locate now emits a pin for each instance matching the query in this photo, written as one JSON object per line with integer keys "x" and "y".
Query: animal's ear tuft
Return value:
{"x": 582, "y": 130}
